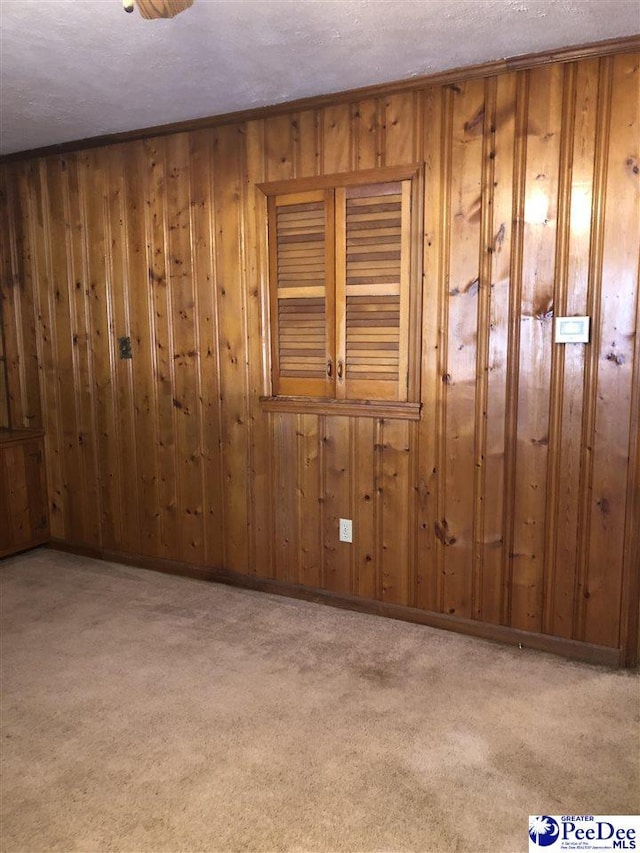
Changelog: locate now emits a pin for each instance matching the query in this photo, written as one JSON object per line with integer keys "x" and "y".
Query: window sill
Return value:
{"x": 347, "y": 408}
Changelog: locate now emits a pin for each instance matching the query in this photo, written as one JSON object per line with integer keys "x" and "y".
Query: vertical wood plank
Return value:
{"x": 309, "y": 509}
{"x": 285, "y": 486}
{"x": 337, "y": 149}
{"x": 118, "y": 301}
{"x": 364, "y": 509}
{"x": 513, "y": 337}
{"x": 367, "y": 132}
{"x": 455, "y": 527}
{"x": 614, "y": 343}
{"x": 163, "y": 344}
{"x": 559, "y": 612}
{"x": 397, "y": 517}
{"x": 9, "y": 281}
{"x": 81, "y": 354}
{"x": 279, "y": 151}
{"x": 104, "y": 347}
{"x": 7, "y": 249}
{"x": 305, "y": 141}
{"x": 402, "y": 126}
{"x": 536, "y": 314}
{"x": 556, "y": 390}
{"x": 142, "y": 330}
{"x": 630, "y": 611}
{"x": 5, "y": 419}
{"x": 186, "y": 354}
{"x": 228, "y": 175}
{"x": 483, "y": 334}
{"x": 27, "y": 321}
{"x": 207, "y": 334}
{"x": 436, "y": 155}
{"x": 498, "y": 242}
{"x": 58, "y": 227}
{"x": 336, "y": 572}
{"x": 17, "y": 295}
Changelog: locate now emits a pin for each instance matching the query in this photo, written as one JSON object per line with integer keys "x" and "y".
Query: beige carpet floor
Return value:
{"x": 143, "y": 712}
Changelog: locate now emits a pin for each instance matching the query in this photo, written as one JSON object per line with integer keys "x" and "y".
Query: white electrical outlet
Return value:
{"x": 346, "y": 530}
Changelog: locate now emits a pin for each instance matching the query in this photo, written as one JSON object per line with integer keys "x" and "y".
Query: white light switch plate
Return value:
{"x": 572, "y": 330}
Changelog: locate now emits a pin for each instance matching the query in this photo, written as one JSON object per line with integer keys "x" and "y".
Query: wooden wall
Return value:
{"x": 4, "y": 393}
{"x": 513, "y": 502}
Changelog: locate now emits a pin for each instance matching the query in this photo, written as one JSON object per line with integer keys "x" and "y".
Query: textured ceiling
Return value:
{"x": 72, "y": 69}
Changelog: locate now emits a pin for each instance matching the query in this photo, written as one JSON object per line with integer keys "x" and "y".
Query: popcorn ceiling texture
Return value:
{"x": 73, "y": 69}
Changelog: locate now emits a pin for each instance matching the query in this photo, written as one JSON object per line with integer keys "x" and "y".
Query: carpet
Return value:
{"x": 146, "y": 712}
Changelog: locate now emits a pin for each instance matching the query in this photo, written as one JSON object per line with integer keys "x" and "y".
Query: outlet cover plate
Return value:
{"x": 346, "y": 530}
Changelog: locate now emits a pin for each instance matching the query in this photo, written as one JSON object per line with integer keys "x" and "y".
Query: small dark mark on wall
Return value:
{"x": 442, "y": 532}
{"x": 124, "y": 347}
{"x": 604, "y": 505}
{"x": 544, "y": 315}
{"x": 471, "y": 288}
{"x": 155, "y": 278}
{"x": 541, "y": 442}
{"x": 474, "y": 122}
{"x": 615, "y": 357}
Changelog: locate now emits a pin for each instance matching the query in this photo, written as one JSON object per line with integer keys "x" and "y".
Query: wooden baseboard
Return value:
{"x": 525, "y": 640}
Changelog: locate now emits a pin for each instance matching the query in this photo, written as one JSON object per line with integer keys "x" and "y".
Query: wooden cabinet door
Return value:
{"x": 24, "y": 520}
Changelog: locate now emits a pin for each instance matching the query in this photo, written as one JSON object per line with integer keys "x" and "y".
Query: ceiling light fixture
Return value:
{"x": 151, "y": 9}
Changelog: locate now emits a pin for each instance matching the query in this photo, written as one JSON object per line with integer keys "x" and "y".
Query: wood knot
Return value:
{"x": 441, "y": 530}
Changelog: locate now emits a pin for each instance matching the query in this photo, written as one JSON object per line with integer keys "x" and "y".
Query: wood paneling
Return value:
{"x": 511, "y": 504}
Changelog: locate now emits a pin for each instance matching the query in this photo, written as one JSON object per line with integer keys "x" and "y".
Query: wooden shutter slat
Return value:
{"x": 382, "y": 285}
{"x": 291, "y": 293}
{"x": 374, "y": 235}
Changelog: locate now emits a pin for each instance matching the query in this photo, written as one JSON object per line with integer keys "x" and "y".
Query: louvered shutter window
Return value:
{"x": 340, "y": 272}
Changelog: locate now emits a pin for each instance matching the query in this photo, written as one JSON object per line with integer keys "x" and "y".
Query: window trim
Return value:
{"x": 391, "y": 410}
{"x": 409, "y": 410}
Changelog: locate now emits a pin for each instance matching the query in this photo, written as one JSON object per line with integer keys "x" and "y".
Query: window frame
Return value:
{"x": 265, "y": 205}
